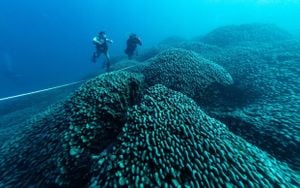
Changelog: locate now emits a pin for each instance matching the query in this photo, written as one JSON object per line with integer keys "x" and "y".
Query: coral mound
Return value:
{"x": 95, "y": 111}
{"x": 169, "y": 141}
{"x": 56, "y": 148}
{"x": 234, "y": 34}
{"x": 187, "y": 72}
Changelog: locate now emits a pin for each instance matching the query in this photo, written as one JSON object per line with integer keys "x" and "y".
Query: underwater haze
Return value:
{"x": 46, "y": 43}
{"x": 178, "y": 93}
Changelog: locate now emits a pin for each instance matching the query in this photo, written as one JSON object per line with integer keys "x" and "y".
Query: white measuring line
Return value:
{"x": 40, "y": 91}
{"x": 52, "y": 88}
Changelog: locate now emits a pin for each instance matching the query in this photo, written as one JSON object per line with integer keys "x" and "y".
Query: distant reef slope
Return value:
{"x": 234, "y": 34}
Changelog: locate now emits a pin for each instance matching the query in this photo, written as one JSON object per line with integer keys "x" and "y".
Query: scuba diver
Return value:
{"x": 101, "y": 43}
{"x": 132, "y": 43}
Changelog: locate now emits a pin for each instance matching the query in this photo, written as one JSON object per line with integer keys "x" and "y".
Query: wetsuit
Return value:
{"x": 101, "y": 48}
{"x": 132, "y": 43}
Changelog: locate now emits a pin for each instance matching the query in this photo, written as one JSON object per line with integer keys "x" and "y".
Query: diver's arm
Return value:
{"x": 95, "y": 40}
{"x": 109, "y": 41}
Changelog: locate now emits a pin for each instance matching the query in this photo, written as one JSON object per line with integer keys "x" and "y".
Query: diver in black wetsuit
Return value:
{"x": 101, "y": 42}
{"x": 132, "y": 43}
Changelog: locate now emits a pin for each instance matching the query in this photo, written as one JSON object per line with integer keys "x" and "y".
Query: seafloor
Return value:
{"x": 221, "y": 110}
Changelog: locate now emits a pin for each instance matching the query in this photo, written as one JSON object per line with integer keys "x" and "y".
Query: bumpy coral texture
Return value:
{"x": 169, "y": 141}
{"x": 96, "y": 110}
{"x": 187, "y": 72}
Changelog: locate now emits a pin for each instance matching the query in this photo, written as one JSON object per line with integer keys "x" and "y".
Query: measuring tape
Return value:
{"x": 53, "y": 88}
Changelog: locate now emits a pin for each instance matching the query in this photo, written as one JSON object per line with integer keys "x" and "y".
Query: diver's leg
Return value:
{"x": 107, "y": 60}
{"x": 96, "y": 54}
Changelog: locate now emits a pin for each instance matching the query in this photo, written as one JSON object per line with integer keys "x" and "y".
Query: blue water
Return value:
{"x": 212, "y": 99}
{"x": 44, "y": 43}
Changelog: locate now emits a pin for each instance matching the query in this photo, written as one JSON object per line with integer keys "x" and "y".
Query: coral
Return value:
{"x": 187, "y": 72}
{"x": 15, "y": 112}
{"x": 56, "y": 148}
{"x": 272, "y": 126}
{"x": 169, "y": 141}
{"x": 230, "y": 35}
{"x": 262, "y": 105}
{"x": 113, "y": 132}
{"x": 30, "y": 157}
{"x": 263, "y": 99}
{"x": 95, "y": 111}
